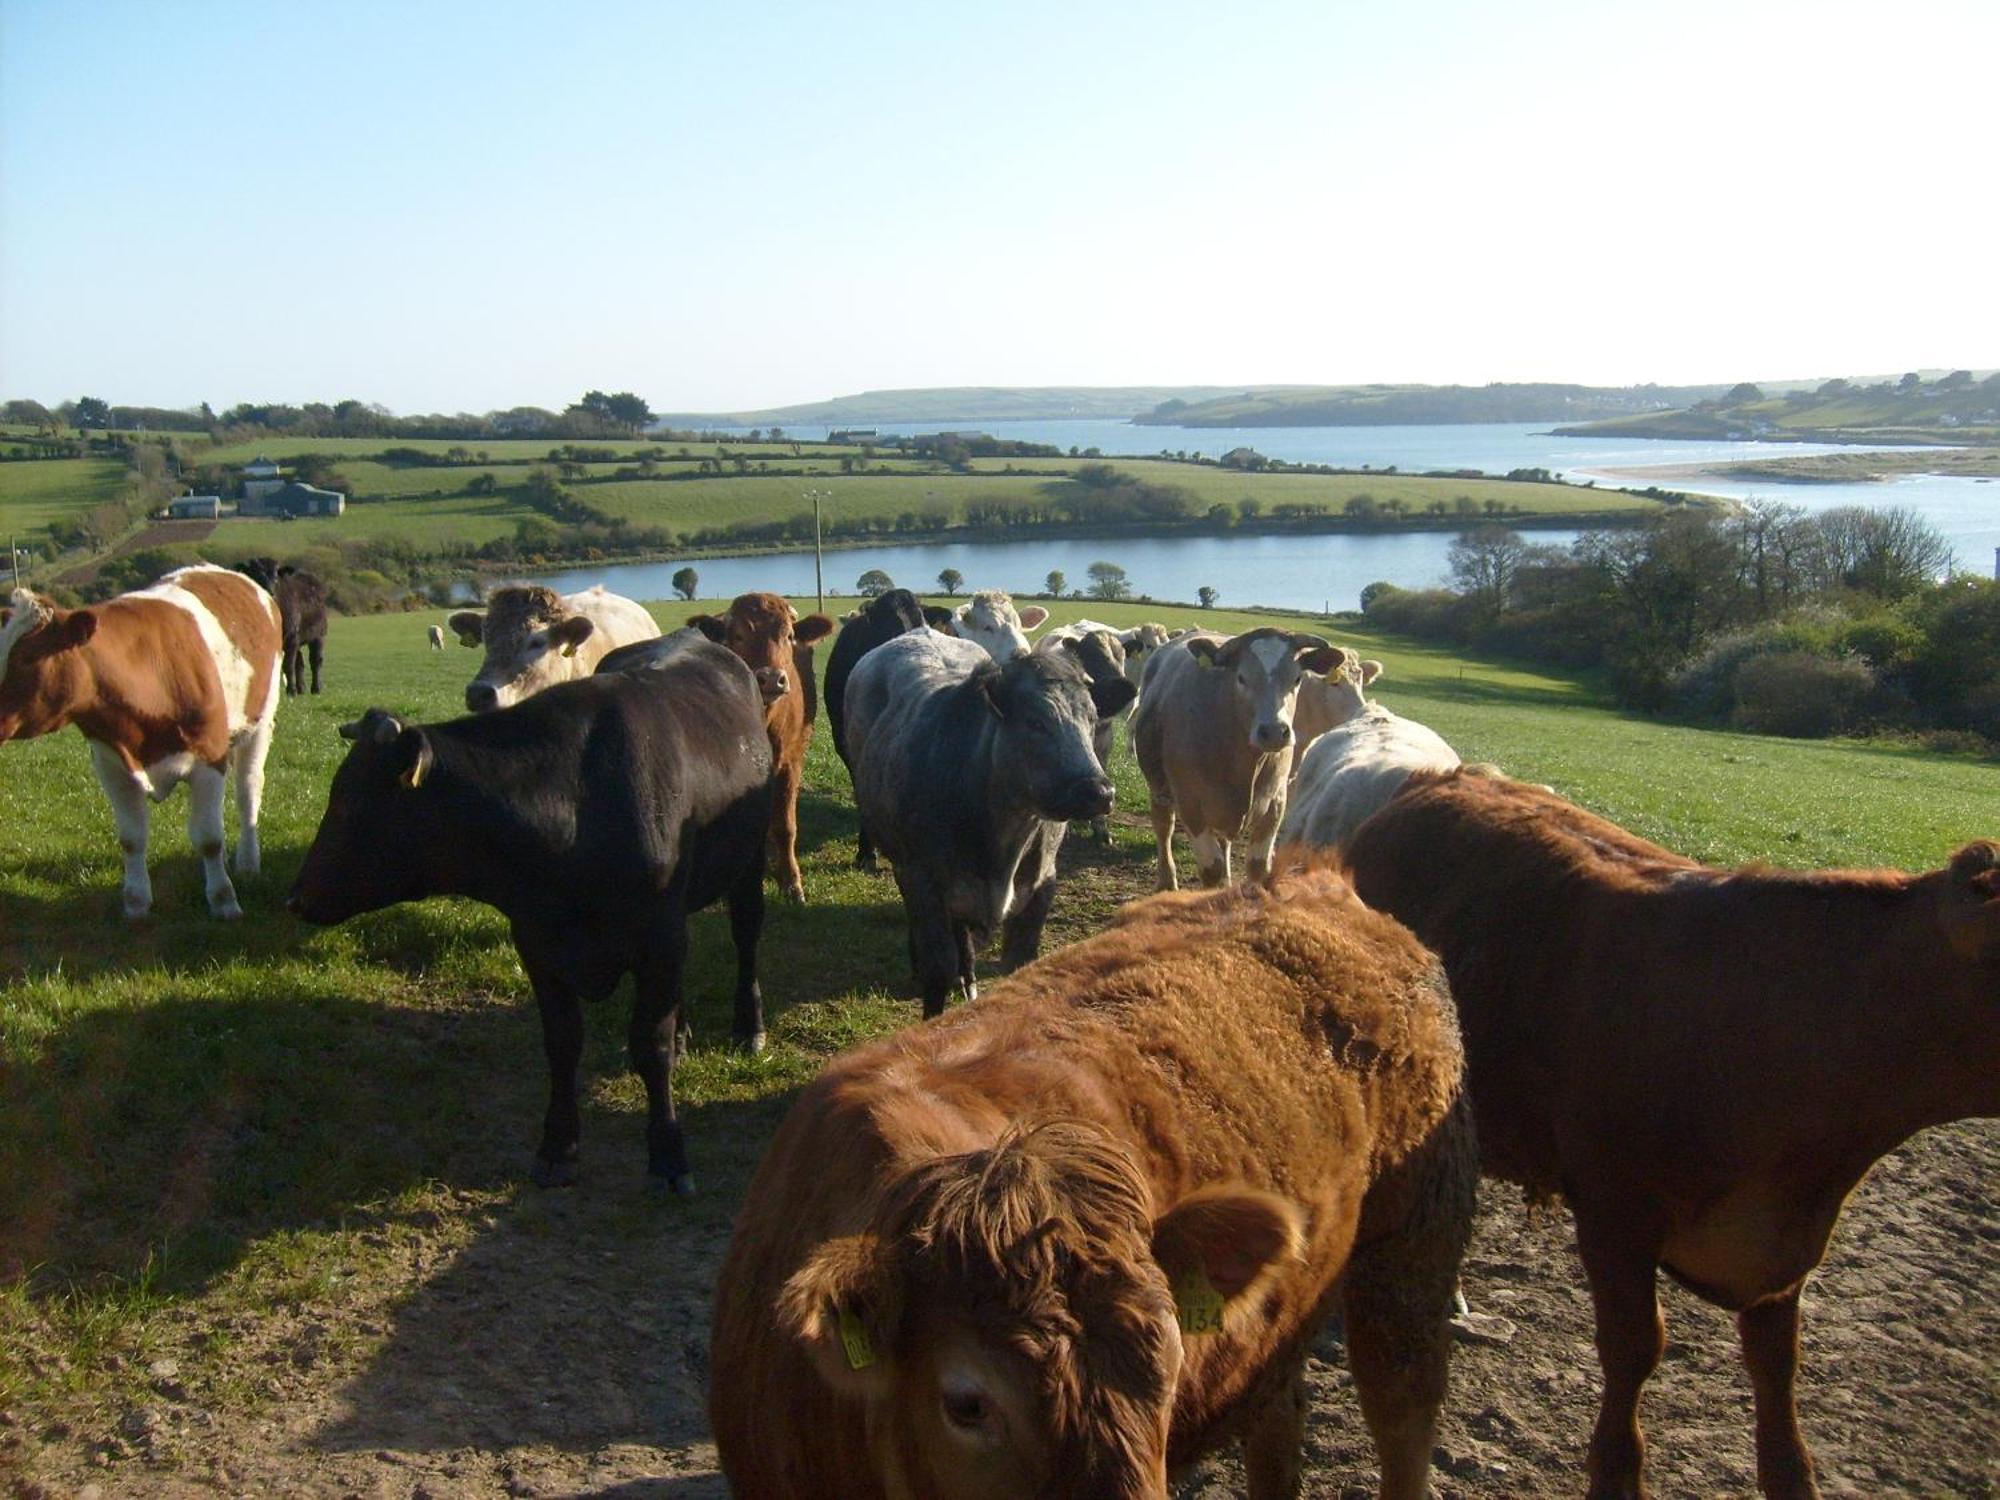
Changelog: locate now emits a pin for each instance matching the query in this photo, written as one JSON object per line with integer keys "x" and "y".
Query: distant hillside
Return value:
{"x": 1416, "y": 405}
{"x": 969, "y": 403}
{"x": 1959, "y": 407}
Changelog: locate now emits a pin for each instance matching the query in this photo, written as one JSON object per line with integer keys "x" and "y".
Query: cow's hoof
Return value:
{"x": 681, "y": 1185}
{"x": 137, "y": 911}
{"x": 865, "y": 863}
{"x": 752, "y": 1044}
{"x": 553, "y": 1174}
{"x": 796, "y": 894}
{"x": 226, "y": 910}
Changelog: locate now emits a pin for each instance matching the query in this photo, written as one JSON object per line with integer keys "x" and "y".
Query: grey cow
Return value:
{"x": 1214, "y": 733}
{"x": 966, "y": 773}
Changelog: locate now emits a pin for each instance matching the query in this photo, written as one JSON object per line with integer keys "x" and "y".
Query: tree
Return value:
{"x": 1107, "y": 581}
{"x": 1910, "y": 381}
{"x": 951, "y": 580}
{"x": 623, "y": 411}
{"x": 1891, "y": 552}
{"x": 1207, "y": 596}
{"x": 874, "y": 583}
{"x": 90, "y": 412}
{"x": 1056, "y": 582}
{"x": 686, "y": 582}
{"x": 1742, "y": 395}
{"x": 1483, "y": 563}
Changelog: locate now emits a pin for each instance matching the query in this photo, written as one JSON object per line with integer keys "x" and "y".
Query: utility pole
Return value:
{"x": 819, "y": 578}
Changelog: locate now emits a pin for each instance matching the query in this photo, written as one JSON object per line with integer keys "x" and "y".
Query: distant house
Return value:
{"x": 261, "y": 478}
{"x": 294, "y": 498}
{"x": 195, "y": 508}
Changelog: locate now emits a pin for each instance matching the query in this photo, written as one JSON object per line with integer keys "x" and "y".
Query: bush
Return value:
{"x": 1801, "y": 695}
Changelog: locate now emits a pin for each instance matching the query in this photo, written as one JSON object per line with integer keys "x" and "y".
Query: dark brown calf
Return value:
{"x": 768, "y": 634}
{"x": 1703, "y": 1062}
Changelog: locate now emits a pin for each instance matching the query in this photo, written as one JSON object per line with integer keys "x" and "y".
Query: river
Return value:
{"x": 1308, "y": 572}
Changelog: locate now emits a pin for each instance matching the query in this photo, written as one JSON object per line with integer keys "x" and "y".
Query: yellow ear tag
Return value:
{"x": 1197, "y": 1303}
{"x": 570, "y": 649}
{"x": 414, "y": 777}
{"x": 854, "y": 1340}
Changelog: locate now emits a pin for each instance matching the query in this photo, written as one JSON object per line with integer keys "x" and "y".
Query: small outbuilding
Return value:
{"x": 195, "y": 508}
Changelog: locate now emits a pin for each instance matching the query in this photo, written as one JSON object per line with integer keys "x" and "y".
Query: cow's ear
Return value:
{"x": 412, "y": 758}
{"x": 468, "y": 625}
{"x": 375, "y": 727}
{"x": 1370, "y": 670}
{"x": 812, "y": 628}
{"x": 710, "y": 626}
{"x": 986, "y": 682}
{"x": 938, "y": 617}
{"x": 570, "y": 632}
{"x": 844, "y": 1305}
{"x": 1205, "y": 651}
{"x": 1325, "y": 660}
{"x": 72, "y": 630}
{"x": 1033, "y": 617}
{"x": 1971, "y": 907}
{"x": 1220, "y": 1246}
{"x": 1110, "y": 696}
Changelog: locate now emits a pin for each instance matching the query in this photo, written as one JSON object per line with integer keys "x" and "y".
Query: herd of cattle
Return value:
{"x": 1062, "y": 1241}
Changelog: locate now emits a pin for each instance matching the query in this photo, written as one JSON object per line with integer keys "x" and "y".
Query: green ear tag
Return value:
{"x": 1197, "y": 1303}
{"x": 854, "y": 1339}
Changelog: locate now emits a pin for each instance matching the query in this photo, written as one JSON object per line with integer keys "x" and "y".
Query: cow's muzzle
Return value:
{"x": 1269, "y": 737}
{"x": 1086, "y": 797}
{"x": 481, "y": 697}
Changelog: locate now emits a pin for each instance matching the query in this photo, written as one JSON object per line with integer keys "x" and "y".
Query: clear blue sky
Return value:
{"x": 461, "y": 206}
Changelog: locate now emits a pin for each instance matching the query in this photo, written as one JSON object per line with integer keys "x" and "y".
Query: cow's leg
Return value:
{"x": 784, "y": 842}
{"x": 656, "y": 1001}
{"x": 968, "y": 977}
{"x": 864, "y": 852}
{"x": 1164, "y": 877}
{"x": 1770, "y": 1334}
{"x": 1262, "y": 838}
{"x": 746, "y": 926}
{"x": 933, "y": 947}
{"x": 247, "y": 765}
{"x": 1211, "y": 858}
{"x": 1021, "y": 932}
{"x": 293, "y": 669}
{"x": 1631, "y": 1336}
{"x": 130, "y": 815}
{"x": 562, "y": 1041}
{"x": 1274, "y": 1445}
{"x": 315, "y": 651}
{"x": 208, "y": 789}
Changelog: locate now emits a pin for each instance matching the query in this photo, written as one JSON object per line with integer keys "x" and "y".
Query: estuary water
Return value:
{"x": 1306, "y": 572}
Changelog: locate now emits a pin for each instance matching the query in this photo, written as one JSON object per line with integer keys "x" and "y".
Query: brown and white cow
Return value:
{"x": 177, "y": 682}
{"x": 1062, "y": 1242}
{"x": 1214, "y": 735}
{"x": 535, "y": 638}
{"x": 776, "y": 644}
{"x": 1703, "y": 1062}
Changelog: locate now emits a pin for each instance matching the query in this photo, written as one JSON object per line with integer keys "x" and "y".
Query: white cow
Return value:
{"x": 437, "y": 637}
{"x": 535, "y": 639}
{"x": 990, "y": 620}
{"x": 1353, "y": 770}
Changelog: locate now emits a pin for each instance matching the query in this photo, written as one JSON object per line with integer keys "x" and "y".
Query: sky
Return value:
{"x": 458, "y": 206}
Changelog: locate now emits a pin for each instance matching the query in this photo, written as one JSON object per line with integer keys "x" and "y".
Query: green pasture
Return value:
{"x": 204, "y": 1124}
{"x": 425, "y": 524}
{"x": 36, "y": 492}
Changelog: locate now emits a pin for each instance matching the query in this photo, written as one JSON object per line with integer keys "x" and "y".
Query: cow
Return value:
{"x": 1064, "y": 1241}
{"x": 768, "y": 634}
{"x": 966, "y": 774}
{"x": 302, "y": 610}
{"x": 535, "y": 638}
{"x": 1101, "y": 653}
{"x": 1214, "y": 733}
{"x": 1354, "y": 769}
{"x": 437, "y": 637}
{"x": 990, "y": 620}
{"x": 1703, "y": 1062}
{"x": 883, "y": 618}
{"x": 1328, "y": 700}
{"x": 1140, "y": 642}
{"x": 596, "y": 816}
{"x": 175, "y": 682}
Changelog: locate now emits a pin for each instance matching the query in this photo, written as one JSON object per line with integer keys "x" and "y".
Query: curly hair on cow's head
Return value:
{"x": 525, "y": 601}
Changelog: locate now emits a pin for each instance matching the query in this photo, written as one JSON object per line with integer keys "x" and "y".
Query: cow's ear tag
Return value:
{"x": 854, "y": 1341}
{"x": 414, "y": 776}
{"x": 570, "y": 649}
{"x": 1197, "y": 1304}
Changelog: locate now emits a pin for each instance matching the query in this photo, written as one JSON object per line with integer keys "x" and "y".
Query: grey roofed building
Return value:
{"x": 195, "y": 508}
{"x": 295, "y": 498}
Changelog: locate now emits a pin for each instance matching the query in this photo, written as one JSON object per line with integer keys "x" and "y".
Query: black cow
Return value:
{"x": 966, "y": 772}
{"x": 883, "y": 618}
{"x": 596, "y": 815}
{"x": 1101, "y": 654}
{"x": 301, "y": 614}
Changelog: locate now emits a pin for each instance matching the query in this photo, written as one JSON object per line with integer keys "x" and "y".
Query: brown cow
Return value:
{"x": 768, "y": 634}
{"x": 1064, "y": 1240}
{"x": 1703, "y": 1062}
{"x": 177, "y": 682}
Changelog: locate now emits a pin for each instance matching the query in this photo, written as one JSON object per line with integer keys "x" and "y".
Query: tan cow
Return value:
{"x": 1065, "y": 1240}
{"x": 177, "y": 682}
{"x": 535, "y": 638}
{"x": 1214, "y": 735}
{"x": 1703, "y": 1062}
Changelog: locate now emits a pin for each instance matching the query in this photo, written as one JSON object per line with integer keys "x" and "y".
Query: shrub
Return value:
{"x": 1801, "y": 695}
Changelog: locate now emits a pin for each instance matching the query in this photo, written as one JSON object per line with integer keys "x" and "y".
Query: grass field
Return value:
{"x": 35, "y": 492}
{"x": 217, "y": 1139}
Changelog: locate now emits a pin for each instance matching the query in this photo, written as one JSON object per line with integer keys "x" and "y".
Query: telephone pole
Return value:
{"x": 819, "y": 578}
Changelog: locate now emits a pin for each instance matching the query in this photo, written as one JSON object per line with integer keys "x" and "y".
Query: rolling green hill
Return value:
{"x": 1416, "y": 405}
{"x": 1960, "y": 407}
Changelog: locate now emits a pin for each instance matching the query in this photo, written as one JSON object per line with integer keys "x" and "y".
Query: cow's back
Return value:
{"x": 200, "y": 639}
{"x": 1352, "y": 770}
{"x": 615, "y": 620}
